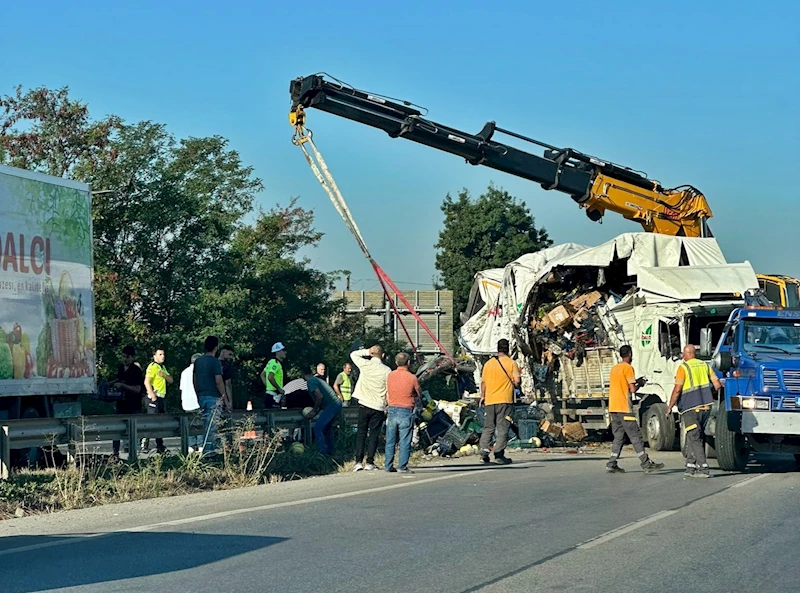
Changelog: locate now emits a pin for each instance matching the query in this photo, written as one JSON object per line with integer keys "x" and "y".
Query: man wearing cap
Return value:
{"x": 272, "y": 377}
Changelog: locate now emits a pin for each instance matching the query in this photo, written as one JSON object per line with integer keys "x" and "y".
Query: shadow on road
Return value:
{"x": 60, "y": 561}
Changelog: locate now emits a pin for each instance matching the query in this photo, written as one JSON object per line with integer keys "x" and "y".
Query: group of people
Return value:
{"x": 691, "y": 393}
{"x": 390, "y": 397}
{"x": 382, "y": 395}
{"x": 206, "y": 385}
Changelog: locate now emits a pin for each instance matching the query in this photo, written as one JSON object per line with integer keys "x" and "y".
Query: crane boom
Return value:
{"x": 596, "y": 185}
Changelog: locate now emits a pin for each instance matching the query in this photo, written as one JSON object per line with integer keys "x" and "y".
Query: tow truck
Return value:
{"x": 758, "y": 356}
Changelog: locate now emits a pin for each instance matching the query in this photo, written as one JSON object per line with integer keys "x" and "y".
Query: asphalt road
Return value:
{"x": 546, "y": 523}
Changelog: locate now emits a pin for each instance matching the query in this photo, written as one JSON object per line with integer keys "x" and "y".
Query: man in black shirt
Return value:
{"x": 130, "y": 381}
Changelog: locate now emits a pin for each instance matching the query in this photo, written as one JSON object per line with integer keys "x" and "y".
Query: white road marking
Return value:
{"x": 749, "y": 481}
{"x": 615, "y": 533}
{"x": 625, "y": 529}
{"x": 67, "y": 539}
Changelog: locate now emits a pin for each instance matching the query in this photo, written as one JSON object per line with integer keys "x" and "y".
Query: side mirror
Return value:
{"x": 723, "y": 362}
{"x": 705, "y": 342}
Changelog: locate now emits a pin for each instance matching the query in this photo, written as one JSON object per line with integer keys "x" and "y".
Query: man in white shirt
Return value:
{"x": 370, "y": 392}
{"x": 189, "y": 399}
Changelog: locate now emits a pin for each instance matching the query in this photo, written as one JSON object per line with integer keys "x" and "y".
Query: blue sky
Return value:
{"x": 692, "y": 93}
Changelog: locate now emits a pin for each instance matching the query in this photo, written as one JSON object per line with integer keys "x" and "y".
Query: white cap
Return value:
{"x": 277, "y": 347}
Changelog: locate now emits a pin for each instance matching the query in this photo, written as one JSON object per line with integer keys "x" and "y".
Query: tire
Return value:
{"x": 733, "y": 452}
{"x": 797, "y": 460}
{"x": 659, "y": 430}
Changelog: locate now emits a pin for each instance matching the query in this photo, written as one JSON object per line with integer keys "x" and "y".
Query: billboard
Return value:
{"x": 47, "y": 338}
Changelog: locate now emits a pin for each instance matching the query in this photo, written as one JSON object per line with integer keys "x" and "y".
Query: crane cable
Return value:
{"x": 303, "y": 137}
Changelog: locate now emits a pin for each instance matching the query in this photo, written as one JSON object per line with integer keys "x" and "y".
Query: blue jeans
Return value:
{"x": 399, "y": 421}
{"x": 323, "y": 428}
{"x": 210, "y": 407}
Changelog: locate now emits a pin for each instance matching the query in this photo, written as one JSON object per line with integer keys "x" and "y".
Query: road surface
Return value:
{"x": 546, "y": 523}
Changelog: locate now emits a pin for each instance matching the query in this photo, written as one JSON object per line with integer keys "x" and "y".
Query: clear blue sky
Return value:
{"x": 692, "y": 93}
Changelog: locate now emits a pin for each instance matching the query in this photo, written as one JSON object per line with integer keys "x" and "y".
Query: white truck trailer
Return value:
{"x": 47, "y": 322}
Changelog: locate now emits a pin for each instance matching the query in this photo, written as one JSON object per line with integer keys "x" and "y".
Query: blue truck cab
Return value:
{"x": 758, "y": 410}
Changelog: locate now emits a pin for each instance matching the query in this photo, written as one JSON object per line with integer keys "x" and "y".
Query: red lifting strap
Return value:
{"x": 384, "y": 277}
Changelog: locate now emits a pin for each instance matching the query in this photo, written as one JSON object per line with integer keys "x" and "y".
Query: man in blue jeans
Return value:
{"x": 403, "y": 391}
{"x": 326, "y": 407}
{"x": 210, "y": 390}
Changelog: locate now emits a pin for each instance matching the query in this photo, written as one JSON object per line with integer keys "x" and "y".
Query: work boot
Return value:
{"x": 614, "y": 469}
{"x": 485, "y": 457}
{"x": 702, "y": 472}
{"x": 501, "y": 460}
{"x": 691, "y": 470}
{"x": 652, "y": 466}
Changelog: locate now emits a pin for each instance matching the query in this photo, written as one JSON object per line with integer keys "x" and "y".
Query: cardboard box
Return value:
{"x": 551, "y": 428}
{"x": 585, "y": 300}
{"x": 559, "y": 316}
{"x": 579, "y": 317}
{"x": 574, "y": 431}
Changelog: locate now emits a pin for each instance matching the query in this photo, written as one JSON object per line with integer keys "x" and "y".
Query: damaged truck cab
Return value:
{"x": 657, "y": 323}
{"x": 758, "y": 356}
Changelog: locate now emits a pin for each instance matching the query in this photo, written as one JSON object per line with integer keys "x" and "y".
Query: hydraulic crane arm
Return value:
{"x": 594, "y": 184}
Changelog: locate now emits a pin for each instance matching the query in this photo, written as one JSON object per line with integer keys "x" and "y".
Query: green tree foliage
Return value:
{"x": 180, "y": 251}
{"x": 482, "y": 233}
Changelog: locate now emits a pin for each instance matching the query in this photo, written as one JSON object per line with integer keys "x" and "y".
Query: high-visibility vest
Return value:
{"x": 696, "y": 391}
{"x": 346, "y": 387}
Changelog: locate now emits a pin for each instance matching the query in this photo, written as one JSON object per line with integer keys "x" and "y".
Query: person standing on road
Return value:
{"x": 370, "y": 392}
{"x": 622, "y": 383}
{"x": 189, "y": 398}
{"x": 403, "y": 392}
{"x": 326, "y": 407}
{"x": 156, "y": 378}
{"x": 692, "y": 393}
{"x": 272, "y": 377}
{"x": 130, "y": 382}
{"x": 210, "y": 389}
{"x": 500, "y": 377}
{"x": 343, "y": 384}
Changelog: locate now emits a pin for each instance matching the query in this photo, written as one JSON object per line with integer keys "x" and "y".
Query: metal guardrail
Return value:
{"x": 46, "y": 432}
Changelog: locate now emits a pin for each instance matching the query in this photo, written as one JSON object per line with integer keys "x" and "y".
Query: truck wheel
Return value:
{"x": 659, "y": 430}
{"x": 733, "y": 452}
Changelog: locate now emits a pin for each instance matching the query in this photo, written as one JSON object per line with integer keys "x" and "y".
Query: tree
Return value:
{"x": 175, "y": 258}
{"x": 483, "y": 233}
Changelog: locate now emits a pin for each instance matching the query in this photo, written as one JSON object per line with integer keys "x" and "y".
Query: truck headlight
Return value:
{"x": 755, "y": 403}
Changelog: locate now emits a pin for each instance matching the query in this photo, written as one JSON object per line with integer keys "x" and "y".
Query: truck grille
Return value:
{"x": 771, "y": 380}
{"x": 791, "y": 379}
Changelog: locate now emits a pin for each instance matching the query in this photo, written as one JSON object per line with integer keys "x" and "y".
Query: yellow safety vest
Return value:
{"x": 696, "y": 392}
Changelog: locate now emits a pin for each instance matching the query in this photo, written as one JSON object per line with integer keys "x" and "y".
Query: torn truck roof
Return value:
{"x": 489, "y": 321}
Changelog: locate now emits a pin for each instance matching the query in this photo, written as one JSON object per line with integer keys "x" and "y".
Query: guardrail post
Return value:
{"x": 269, "y": 425}
{"x": 184, "y": 420}
{"x": 5, "y": 454}
{"x": 72, "y": 456}
{"x": 133, "y": 441}
{"x": 307, "y": 432}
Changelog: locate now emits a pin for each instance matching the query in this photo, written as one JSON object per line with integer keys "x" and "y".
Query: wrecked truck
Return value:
{"x": 567, "y": 309}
